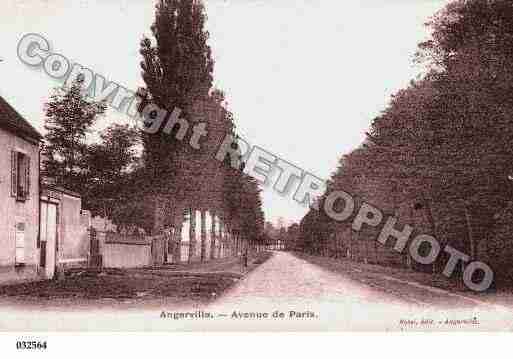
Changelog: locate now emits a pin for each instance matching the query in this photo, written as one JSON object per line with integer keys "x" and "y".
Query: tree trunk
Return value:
{"x": 203, "y": 235}
{"x": 167, "y": 241}
{"x": 231, "y": 240}
{"x": 431, "y": 219}
{"x": 213, "y": 237}
{"x": 192, "y": 234}
{"x": 220, "y": 253}
{"x": 224, "y": 236}
{"x": 228, "y": 242}
{"x": 225, "y": 241}
{"x": 177, "y": 234}
{"x": 470, "y": 233}
{"x": 376, "y": 251}
{"x": 350, "y": 243}
{"x": 158, "y": 219}
{"x": 413, "y": 222}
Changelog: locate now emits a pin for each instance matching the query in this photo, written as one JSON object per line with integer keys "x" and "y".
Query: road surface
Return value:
{"x": 288, "y": 293}
{"x": 348, "y": 300}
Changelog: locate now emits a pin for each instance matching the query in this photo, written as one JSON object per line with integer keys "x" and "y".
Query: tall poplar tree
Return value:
{"x": 177, "y": 69}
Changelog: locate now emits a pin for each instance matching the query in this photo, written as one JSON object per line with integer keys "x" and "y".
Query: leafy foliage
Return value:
{"x": 439, "y": 154}
{"x": 69, "y": 118}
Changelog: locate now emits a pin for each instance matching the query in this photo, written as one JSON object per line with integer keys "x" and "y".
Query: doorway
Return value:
{"x": 49, "y": 220}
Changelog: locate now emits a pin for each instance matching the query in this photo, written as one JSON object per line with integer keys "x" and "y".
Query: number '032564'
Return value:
{"x": 31, "y": 345}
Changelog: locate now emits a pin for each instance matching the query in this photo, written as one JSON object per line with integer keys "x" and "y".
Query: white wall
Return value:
{"x": 74, "y": 237}
{"x": 10, "y": 210}
{"x": 118, "y": 255}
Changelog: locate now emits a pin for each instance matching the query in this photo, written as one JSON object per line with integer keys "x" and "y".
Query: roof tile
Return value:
{"x": 12, "y": 121}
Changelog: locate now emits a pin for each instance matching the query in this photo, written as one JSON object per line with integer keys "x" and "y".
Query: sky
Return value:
{"x": 304, "y": 78}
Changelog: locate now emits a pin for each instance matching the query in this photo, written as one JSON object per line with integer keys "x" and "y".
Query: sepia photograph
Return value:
{"x": 290, "y": 166}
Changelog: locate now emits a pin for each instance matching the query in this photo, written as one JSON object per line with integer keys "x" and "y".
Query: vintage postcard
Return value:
{"x": 248, "y": 166}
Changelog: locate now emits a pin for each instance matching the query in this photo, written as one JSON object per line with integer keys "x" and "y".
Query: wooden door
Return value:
{"x": 49, "y": 238}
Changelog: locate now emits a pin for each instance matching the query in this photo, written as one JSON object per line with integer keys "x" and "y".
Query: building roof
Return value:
{"x": 48, "y": 185}
{"x": 57, "y": 192}
{"x": 11, "y": 120}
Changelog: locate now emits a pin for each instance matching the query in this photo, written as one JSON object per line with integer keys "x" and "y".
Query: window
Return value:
{"x": 20, "y": 172}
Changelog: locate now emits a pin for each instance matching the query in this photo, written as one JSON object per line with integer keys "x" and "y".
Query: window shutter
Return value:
{"x": 14, "y": 173}
{"x": 27, "y": 174}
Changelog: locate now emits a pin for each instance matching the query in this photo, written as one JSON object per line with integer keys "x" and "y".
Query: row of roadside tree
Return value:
{"x": 439, "y": 156}
{"x": 157, "y": 181}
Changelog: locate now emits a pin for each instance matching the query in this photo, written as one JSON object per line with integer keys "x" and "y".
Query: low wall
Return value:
{"x": 126, "y": 255}
{"x": 11, "y": 275}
